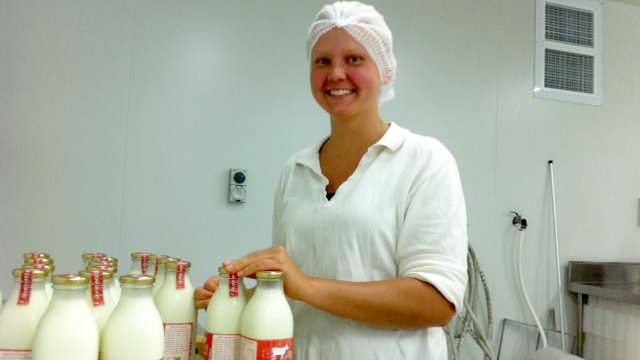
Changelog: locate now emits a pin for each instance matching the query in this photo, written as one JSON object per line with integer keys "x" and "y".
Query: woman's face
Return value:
{"x": 344, "y": 78}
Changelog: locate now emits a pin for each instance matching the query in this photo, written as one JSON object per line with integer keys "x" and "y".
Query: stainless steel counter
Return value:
{"x": 617, "y": 281}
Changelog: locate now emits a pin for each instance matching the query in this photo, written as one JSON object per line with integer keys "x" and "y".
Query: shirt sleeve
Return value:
{"x": 432, "y": 246}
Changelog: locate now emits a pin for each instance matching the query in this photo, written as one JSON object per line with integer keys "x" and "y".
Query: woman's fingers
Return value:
{"x": 202, "y": 295}
{"x": 274, "y": 258}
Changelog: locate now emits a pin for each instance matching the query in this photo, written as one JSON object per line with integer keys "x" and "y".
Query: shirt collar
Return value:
{"x": 392, "y": 140}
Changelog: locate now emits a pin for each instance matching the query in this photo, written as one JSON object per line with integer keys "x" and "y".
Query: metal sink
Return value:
{"x": 617, "y": 281}
{"x": 610, "y": 280}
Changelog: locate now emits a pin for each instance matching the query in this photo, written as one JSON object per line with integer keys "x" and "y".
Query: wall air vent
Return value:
{"x": 568, "y": 64}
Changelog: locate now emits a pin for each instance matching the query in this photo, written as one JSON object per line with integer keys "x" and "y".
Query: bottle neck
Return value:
{"x": 177, "y": 279}
{"x": 135, "y": 292}
{"x": 142, "y": 266}
{"x": 25, "y": 293}
{"x": 270, "y": 285}
{"x": 69, "y": 294}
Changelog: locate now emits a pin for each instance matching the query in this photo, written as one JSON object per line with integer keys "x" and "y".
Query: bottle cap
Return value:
{"x": 37, "y": 273}
{"x": 107, "y": 275}
{"x": 174, "y": 264}
{"x": 37, "y": 260}
{"x": 137, "y": 279}
{"x": 140, "y": 255}
{"x": 103, "y": 265}
{"x": 33, "y": 255}
{"x": 69, "y": 280}
{"x": 93, "y": 255}
{"x": 49, "y": 268}
{"x": 269, "y": 274}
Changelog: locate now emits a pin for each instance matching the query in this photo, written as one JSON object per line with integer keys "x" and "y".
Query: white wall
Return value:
{"x": 119, "y": 121}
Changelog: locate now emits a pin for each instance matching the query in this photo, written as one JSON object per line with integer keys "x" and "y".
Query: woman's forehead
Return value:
{"x": 337, "y": 40}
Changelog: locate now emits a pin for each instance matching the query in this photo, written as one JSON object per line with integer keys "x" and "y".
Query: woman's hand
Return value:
{"x": 202, "y": 295}
{"x": 296, "y": 283}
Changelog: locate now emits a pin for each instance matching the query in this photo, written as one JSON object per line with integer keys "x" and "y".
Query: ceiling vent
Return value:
{"x": 568, "y": 63}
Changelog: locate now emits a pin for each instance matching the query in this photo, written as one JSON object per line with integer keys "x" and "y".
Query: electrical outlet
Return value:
{"x": 237, "y": 185}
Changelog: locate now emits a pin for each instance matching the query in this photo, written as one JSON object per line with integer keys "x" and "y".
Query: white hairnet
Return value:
{"x": 367, "y": 27}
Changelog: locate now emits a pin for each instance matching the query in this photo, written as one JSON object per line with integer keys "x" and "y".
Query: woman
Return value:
{"x": 370, "y": 224}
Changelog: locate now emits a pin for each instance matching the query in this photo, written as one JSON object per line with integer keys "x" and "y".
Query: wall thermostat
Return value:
{"x": 237, "y": 185}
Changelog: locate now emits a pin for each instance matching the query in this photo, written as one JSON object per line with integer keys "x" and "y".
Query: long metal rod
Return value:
{"x": 555, "y": 232}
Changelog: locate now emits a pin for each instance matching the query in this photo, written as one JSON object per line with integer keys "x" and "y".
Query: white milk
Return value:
{"x": 134, "y": 329}
{"x": 140, "y": 264}
{"x": 21, "y": 314}
{"x": 99, "y": 295}
{"x": 222, "y": 334}
{"x": 267, "y": 321}
{"x": 67, "y": 330}
{"x": 177, "y": 309}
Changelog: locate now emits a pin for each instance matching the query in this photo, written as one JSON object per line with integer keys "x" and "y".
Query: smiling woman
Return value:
{"x": 369, "y": 227}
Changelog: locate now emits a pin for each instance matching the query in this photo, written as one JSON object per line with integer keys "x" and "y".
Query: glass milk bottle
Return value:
{"x": 161, "y": 269}
{"x": 134, "y": 329}
{"x": 140, "y": 264}
{"x": 99, "y": 295}
{"x": 222, "y": 332}
{"x": 177, "y": 309}
{"x": 267, "y": 321}
{"x": 21, "y": 313}
{"x": 67, "y": 330}
{"x": 49, "y": 268}
{"x": 110, "y": 267}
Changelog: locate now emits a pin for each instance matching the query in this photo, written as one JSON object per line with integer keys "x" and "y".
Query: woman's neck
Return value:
{"x": 362, "y": 131}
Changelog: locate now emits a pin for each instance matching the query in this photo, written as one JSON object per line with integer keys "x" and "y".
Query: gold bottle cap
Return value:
{"x": 269, "y": 274}
{"x": 42, "y": 260}
{"x": 69, "y": 280}
{"x": 103, "y": 268}
{"x": 33, "y": 255}
{"x": 37, "y": 273}
{"x": 49, "y": 268}
{"x": 140, "y": 255}
{"x": 111, "y": 259}
{"x": 93, "y": 255}
{"x": 174, "y": 264}
{"x": 137, "y": 279}
{"x": 107, "y": 275}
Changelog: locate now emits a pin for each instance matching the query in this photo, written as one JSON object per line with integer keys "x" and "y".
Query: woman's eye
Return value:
{"x": 321, "y": 61}
{"x": 355, "y": 59}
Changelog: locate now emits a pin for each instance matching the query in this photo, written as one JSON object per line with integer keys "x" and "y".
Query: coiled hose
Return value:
{"x": 468, "y": 322}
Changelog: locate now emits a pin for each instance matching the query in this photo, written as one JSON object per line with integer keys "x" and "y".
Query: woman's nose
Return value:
{"x": 337, "y": 71}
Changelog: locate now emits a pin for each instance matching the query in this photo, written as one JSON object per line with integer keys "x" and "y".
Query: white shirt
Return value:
{"x": 400, "y": 214}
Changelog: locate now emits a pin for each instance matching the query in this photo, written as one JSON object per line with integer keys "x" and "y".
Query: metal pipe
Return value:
{"x": 555, "y": 232}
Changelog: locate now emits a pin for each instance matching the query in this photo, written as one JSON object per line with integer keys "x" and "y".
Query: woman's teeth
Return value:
{"x": 340, "y": 92}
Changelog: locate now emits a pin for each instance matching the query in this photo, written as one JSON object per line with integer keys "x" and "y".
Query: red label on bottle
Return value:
{"x": 181, "y": 271}
{"x": 97, "y": 288}
{"x": 26, "y": 281}
{"x": 144, "y": 263}
{"x": 234, "y": 285}
{"x": 281, "y": 349}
